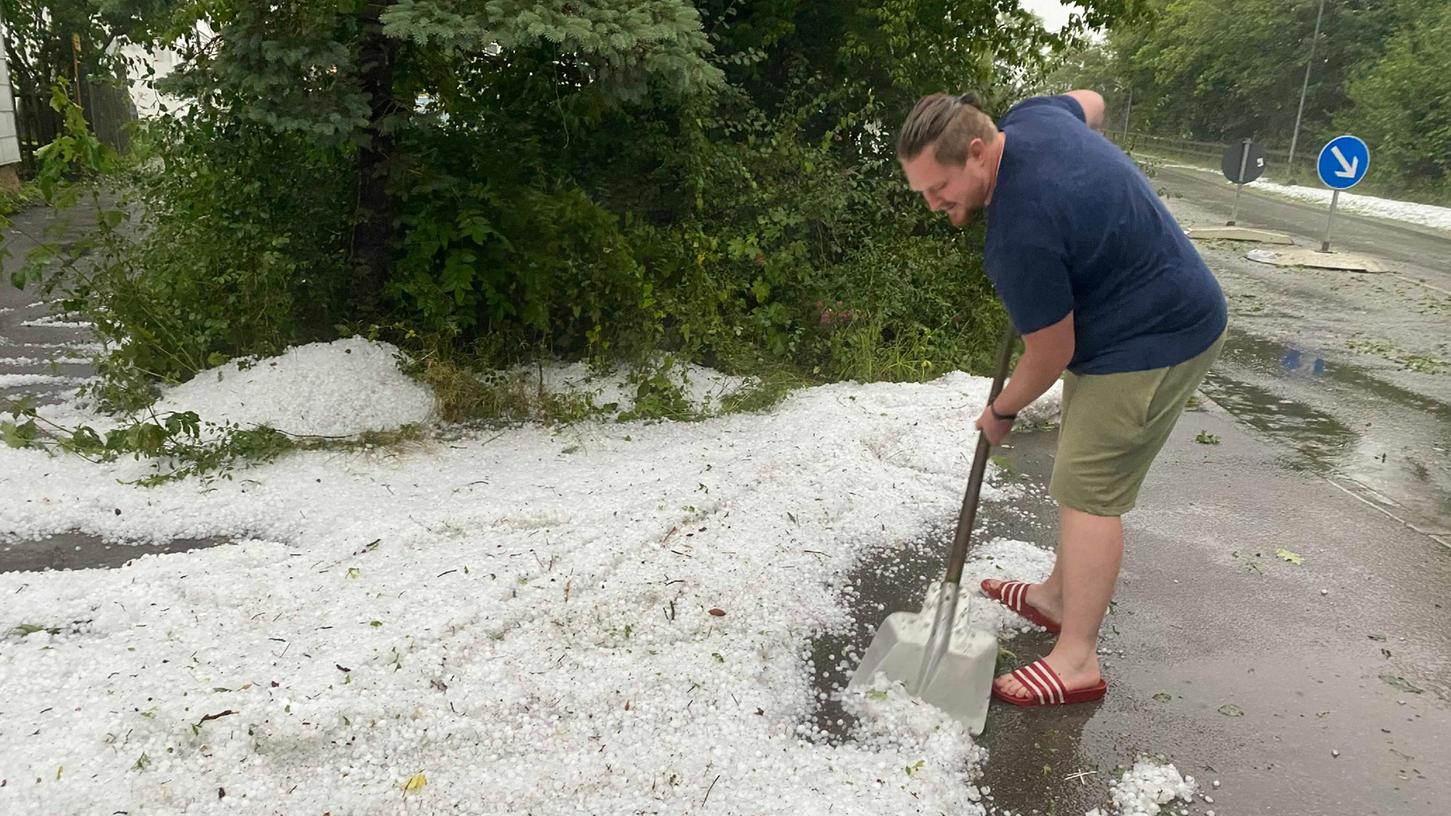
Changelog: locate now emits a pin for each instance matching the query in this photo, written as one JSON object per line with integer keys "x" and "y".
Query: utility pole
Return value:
{"x": 1128, "y": 111}
{"x": 1295, "y": 135}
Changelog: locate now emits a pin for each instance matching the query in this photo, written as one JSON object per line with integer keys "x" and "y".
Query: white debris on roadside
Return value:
{"x": 1148, "y": 786}
{"x": 29, "y": 380}
{"x": 1426, "y": 215}
{"x": 605, "y": 617}
{"x": 612, "y": 392}
{"x": 342, "y": 388}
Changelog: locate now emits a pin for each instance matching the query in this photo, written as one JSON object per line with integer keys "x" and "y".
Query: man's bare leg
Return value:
{"x": 1090, "y": 551}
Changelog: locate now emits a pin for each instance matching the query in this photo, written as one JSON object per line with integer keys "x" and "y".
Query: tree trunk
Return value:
{"x": 373, "y": 222}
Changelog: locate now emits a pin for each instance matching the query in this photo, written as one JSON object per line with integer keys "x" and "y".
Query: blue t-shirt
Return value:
{"x": 1074, "y": 227}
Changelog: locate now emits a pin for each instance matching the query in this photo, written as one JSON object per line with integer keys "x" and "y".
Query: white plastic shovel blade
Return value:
{"x": 961, "y": 685}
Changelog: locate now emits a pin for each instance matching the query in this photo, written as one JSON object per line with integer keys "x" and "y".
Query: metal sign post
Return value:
{"x": 1238, "y": 188}
{"x": 1325, "y": 244}
{"x": 1241, "y": 164}
{"x": 1343, "y": 162}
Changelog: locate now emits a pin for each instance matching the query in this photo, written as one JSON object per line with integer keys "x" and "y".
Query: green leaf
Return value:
{"x": 876, "y": 694}
{"x": 760, "y": 290}
{"x": 85, "y": 440}
{"x": 110, "y": 219}
{"x": 1164, "y": 697}
{"x": 1231, "y": 710}
{"x": 1401, "y": 683}
{"x": 18, "y": 436}
{"x": 1286, "y": 555}
{"x": 23, "y": 406}
{"x": 28, "y": 629}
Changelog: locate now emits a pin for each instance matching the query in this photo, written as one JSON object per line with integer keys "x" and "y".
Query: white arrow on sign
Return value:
{"x": 1347, "y": 168}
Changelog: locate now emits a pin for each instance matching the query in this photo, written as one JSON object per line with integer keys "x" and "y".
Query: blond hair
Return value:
{"x": 946, "y": 123}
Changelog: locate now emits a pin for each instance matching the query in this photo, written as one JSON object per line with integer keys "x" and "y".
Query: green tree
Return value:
{"x": 600, "y": 177}
{"x": 1401, "y": 103}
{"x": 46, "y": 40}
{"x": 1216, "y": 70}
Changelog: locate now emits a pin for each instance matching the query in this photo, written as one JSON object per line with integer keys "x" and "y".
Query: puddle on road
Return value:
{"x": 1318, "y": 438}
{"x": 1020, "y": 742}
{"x": 895, "y": 578}
{"x": 70, "y": 551}
{"x": 1290, "y": 360}
{"x": 1392, "y": 440}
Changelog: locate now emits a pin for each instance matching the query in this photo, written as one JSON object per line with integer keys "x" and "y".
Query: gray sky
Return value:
{"x": 1053, "y": 12}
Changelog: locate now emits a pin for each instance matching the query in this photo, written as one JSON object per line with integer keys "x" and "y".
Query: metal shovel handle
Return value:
{"x": 968, "y": 516}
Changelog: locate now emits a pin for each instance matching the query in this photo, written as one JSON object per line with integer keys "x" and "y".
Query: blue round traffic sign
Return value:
{"x": 1343, "y": 162}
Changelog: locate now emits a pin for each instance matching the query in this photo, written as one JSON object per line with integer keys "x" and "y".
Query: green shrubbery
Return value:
{"x": 718, "y": 186}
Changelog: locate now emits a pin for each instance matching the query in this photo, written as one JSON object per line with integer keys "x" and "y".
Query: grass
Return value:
{"x": 1005, "y": 464}
{"x": 773, "y": 386}
{"x": 473, "y": 394}
{"x": 1423, "y": 363}
{"x": 1385, "y": 349}
{"x": 19, "y": 200}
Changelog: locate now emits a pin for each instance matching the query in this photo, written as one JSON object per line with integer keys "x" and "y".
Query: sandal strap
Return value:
{"x": 1015, "y": 595}
{"x": 1039, "y": 678}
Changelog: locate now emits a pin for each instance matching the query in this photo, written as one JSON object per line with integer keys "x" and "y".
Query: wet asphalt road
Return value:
{"x": 1315, "y": 688}
{"x": 1397, "y": 242}
{"x": 1354, "y": 370}
{"x": 1332, "y": 402}
{"x": 1322, "y": 687}
{"x": 1208, "y": 622}
{"x": 30, "y": 344}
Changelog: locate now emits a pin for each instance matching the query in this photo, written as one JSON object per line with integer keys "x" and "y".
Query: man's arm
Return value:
{"x": 1046, "y": 355}
{"x": 1093, "y": 106}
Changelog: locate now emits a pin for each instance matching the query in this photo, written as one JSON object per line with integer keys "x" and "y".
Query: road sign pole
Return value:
{"x": 1325, "y": 245}
{"x": 1343, "y": 162}
{"x": 1239, "y": 184}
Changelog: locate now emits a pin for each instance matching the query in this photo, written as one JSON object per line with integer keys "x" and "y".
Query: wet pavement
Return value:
{"x": 1322, "y": 687}
{"x": 84, "y": 551}
{"x": 1352, "y": 370}
{"x": 1394, "y": 241}
{"x": 40, "y": 354}
{"x": 1317, "y": 688}
{"x": 1388, "y": 444}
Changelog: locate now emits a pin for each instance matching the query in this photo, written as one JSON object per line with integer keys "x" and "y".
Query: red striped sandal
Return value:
{"x": 1014, "y": 595}
{"x": 1046, "y": 689}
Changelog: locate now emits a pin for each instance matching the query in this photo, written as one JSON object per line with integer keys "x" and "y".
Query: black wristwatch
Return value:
{"x": 1000, "y": 417}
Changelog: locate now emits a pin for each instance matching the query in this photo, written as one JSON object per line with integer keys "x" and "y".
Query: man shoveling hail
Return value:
{"x": 1102, "y": 284}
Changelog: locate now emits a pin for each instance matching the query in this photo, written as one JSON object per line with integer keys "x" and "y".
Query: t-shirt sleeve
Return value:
{"x": 1034, "y": 284}
{"x": 1065, "y": 103}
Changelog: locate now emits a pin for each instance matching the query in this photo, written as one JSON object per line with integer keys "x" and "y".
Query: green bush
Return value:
{"x": 746, "y": 214}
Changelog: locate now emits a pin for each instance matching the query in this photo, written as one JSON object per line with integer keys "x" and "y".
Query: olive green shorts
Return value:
{"x": 1113, "y": 426}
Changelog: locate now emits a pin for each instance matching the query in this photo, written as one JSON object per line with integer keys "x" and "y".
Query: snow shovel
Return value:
{"x": 939, "y": 661}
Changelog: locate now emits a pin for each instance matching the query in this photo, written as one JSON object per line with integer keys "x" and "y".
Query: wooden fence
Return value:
{"x": 108, "y": 109}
